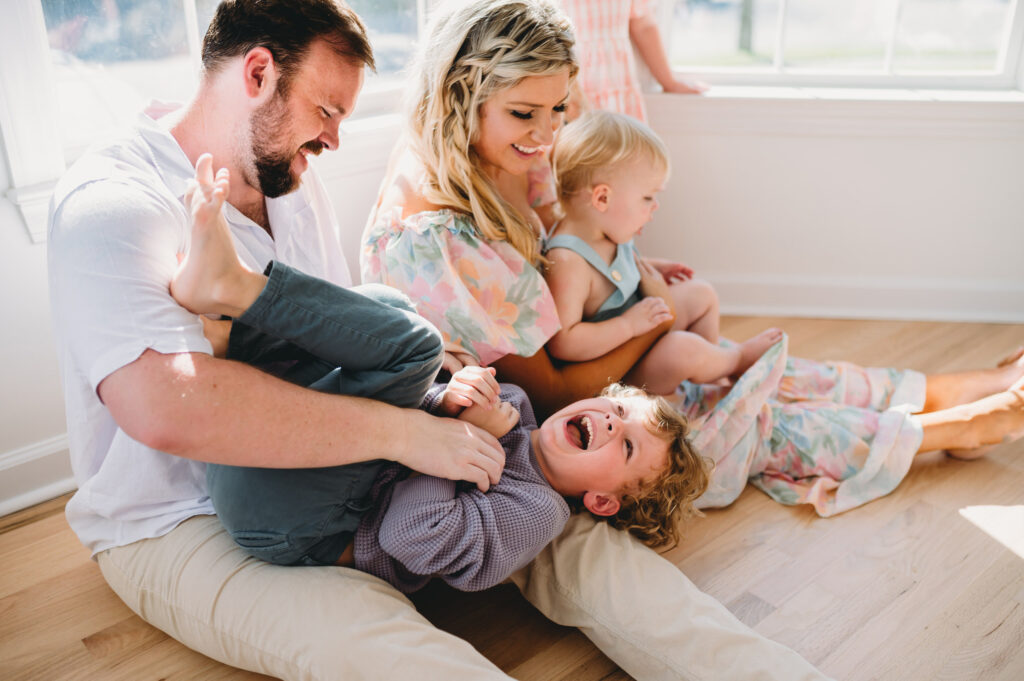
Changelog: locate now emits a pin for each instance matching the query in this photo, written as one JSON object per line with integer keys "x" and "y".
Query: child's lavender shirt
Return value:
{"x": 424, "y": 527}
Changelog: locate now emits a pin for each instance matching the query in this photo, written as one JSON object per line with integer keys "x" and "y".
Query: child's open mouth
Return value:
{"x": 580, "y": 431}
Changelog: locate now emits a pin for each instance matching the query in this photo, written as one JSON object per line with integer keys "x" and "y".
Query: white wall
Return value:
{"x": 33, "y": 450}
{"x": 905, "y": 209}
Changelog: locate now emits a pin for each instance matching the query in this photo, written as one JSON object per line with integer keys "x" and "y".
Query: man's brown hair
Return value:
{"x": 285, "y": 27}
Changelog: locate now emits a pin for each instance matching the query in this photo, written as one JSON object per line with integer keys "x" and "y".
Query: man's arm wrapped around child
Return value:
{"x": 473, "y": 540}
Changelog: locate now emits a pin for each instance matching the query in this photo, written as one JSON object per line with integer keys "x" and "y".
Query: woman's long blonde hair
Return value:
{"x": 472, "y": 51}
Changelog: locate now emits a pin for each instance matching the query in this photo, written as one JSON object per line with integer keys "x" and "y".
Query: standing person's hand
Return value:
{"x": 449, "y": 448}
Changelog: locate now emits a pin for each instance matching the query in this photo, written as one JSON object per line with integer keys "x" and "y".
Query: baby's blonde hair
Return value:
{"x": 474, "y": 50}
{"x": 597, "y": 141}
{"x": 656, "y": 511}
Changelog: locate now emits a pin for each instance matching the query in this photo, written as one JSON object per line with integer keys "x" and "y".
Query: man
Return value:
{"x": 148, "y": 406}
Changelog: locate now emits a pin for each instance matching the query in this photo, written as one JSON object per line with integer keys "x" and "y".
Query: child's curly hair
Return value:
{"x": 656, "y": 512}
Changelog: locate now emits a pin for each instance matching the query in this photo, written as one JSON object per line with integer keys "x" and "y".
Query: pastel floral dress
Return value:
{"x": 830, "y": 434}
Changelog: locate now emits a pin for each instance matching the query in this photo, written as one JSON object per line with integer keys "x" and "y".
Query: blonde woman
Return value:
{"x": 454, "y": 229}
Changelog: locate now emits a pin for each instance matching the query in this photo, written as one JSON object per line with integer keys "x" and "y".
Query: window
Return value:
{"x": 110, "y": 57}
{"x": 904, "y": 43}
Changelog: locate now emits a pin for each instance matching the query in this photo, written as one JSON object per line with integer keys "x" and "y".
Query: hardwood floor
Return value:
{"x": 925, "y": 584}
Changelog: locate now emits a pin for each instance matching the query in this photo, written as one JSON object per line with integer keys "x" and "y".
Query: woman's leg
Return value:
{"x": 949, "y": 390}
{"x": 991, "y": 420}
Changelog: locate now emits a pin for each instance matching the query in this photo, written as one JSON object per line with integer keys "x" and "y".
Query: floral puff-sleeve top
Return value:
{"x": 482, "y": 295}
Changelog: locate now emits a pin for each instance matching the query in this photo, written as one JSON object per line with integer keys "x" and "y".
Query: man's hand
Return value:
{"x": 450, "y": 448}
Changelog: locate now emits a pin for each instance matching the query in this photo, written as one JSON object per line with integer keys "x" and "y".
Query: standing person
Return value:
{"x": 148, "y": 406}
{"x": 454, "y": 229}
{"x": 606, "y": 33}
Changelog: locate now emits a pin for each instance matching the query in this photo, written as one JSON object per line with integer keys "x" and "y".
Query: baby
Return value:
{"x": 609, "y": 169}
{"x": 623, "y": 456}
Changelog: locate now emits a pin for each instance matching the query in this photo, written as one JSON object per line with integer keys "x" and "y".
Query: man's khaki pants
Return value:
{"x": 335, "y": 623}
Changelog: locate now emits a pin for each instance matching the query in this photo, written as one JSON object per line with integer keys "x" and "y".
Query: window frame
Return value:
{"x": 1007, "y": 76}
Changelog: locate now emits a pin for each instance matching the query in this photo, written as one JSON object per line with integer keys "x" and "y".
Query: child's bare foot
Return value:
{"x": 752, "y": 349}
{"x": 211, "y": 279}
{"x": 497, "y": 420}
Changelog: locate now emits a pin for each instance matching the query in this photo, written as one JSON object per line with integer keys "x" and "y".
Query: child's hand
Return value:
{"x": 471, "y": 385}
{"x": 685, "y": 87}
{"x": 497, "y": 420}
{"x": 456, "y": 357}
{"x": 647, "y": 314}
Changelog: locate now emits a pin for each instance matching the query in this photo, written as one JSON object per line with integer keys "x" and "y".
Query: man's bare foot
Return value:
{"x": 211, "y": 279}
{"x": 998, "y": 419}
{"x": 497, "y": 420}
{"x": 752, "y": 349}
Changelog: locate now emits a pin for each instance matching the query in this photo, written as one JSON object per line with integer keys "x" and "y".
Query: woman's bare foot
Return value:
{"x": 211, "y": 279}
{"x": 991, "y": 421}
{"x": 497, "y": 420}
{"x": 752, "y": 349}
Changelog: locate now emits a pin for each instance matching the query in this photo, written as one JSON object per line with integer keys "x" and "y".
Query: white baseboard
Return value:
{"x": 35, "y": 473}
{"x": 930, "y": 299}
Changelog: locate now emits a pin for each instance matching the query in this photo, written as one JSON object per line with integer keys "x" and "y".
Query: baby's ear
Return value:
{"x": 599, "y": 196}
{"x": 600, "y": 503}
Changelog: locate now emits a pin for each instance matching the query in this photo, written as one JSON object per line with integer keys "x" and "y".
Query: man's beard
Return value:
{"x": 274, "y": 168}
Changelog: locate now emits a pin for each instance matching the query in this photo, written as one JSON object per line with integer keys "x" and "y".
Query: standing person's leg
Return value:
{"x": 644, "y": 614}
{"x": 308, "y": 624}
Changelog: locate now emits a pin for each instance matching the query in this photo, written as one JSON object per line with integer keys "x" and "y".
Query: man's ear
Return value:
{"x": 600, "y": 503}
{"x": 260, "y": 71}
{"x": 599, "y": 196}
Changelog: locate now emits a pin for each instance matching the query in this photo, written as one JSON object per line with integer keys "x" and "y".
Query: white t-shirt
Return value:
{"x": 117, "y": 221}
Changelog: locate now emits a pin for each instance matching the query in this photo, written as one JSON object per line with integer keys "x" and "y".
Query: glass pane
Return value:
{"x": 392, "y": 28}
{"x": 838, "y": 35}
{"x": 950, "y": 35}
{"x": 111, "y": 56}
{"x": 717, "y": 33}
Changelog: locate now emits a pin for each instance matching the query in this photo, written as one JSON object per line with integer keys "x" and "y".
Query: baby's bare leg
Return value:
{"x": 497, "y": 420}
{"x": 685, "y": 356}
{"x": 211, "y": 279}
{"x": 696, "y": 306}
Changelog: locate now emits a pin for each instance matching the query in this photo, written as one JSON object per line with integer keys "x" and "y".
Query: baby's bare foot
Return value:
{"x": 752, "y": 349}
{"x": 210, "y": 278}
{"x": 497, "y": 420}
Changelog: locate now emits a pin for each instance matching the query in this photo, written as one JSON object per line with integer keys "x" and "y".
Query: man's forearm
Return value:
{"x": 199, "y": 407}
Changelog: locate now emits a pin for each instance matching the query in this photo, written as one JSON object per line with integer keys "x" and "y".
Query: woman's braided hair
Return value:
{"x": 474, "y": 50}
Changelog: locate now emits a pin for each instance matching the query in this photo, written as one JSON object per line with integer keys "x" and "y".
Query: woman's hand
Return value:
{"x": 653, "y": 284}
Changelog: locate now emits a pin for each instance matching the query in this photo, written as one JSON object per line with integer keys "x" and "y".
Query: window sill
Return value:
{"x": 815, "y": 111}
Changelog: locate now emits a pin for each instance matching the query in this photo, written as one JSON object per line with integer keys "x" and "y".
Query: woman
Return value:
{"x": 455, "y": 230}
